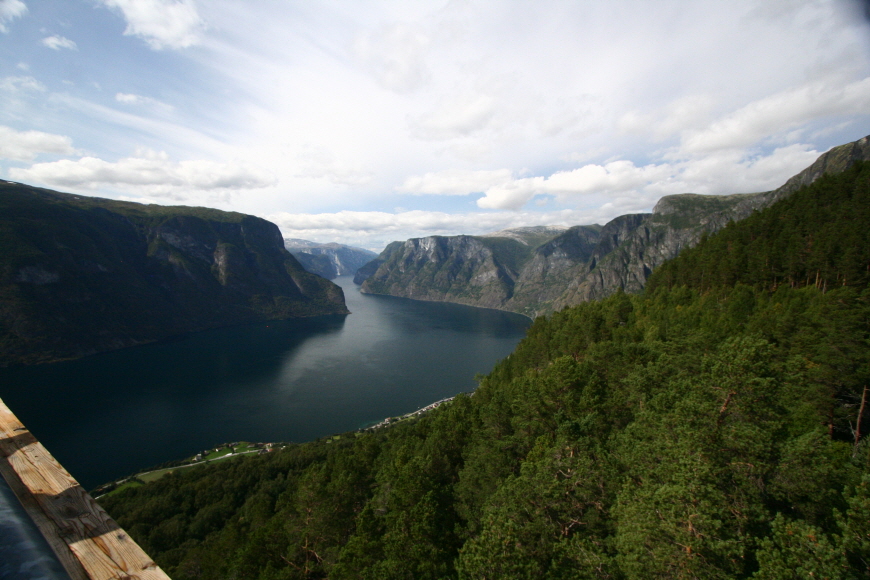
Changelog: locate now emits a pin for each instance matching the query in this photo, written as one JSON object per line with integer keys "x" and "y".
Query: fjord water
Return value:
{"x": 109, "y": 415}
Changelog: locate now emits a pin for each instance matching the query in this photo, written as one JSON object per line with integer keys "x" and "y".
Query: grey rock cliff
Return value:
{"x": 475, "y": 270}
{"x": 553, "y": 265}
{"x": 461, "y": 269}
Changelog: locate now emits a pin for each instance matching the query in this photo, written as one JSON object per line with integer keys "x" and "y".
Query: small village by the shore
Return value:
{"x": 239, "y": 449}
{"x": 217, "y": 453}
{"x": 393, "y": 420}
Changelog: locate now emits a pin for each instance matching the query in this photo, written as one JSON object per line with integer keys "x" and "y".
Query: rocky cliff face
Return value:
{"x": 580, "y": 264}
{"x": 646, "y": 240}
{"x": 486, "y": 271}
{"x": 553, "y": 266}
{"x": 328, "y": 260}
{"x": 461, "y": 269}
{"x": 82, "y": 275}
{"x": 368, "y": 269}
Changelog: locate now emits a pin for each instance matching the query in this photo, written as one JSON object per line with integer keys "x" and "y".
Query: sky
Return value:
{"x": 364, "y": 121}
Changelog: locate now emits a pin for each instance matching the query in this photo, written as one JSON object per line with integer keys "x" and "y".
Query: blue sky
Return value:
{"x": 365, "y": 122}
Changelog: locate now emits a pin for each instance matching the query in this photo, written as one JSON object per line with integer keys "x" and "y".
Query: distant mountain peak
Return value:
{"x": 524, "y": 234}
{"x": 300, "y": 244}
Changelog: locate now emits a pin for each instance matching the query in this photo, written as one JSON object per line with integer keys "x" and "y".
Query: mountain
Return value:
{"x": 81, "y": 275}
{"x": 679, "y": 221}
{"x": 328, "y": 260}
{"x": 475, "y": 270}
{"x": 558, "y": 263}
{"x": 582, "y": 263}
{"x": 712, "y": 426}
{"x": 532, "y": 236}
{"x": 370, "y": 268}
{"x": 819, "y": 238}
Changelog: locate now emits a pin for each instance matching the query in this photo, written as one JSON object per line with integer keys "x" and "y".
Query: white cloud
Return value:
{"x": 19, "y": 84}
{"x": 612, "y": 178}
{"x": 56, "y": 42}
{"x": 733, "y": 171}
{"x": 129, "y": 98}
{"x": 140, "y": 101}
{"x": 689, "y": 112}
{"x": 149, "y": 172}
{"x": 320, "y": 163}
{"x": 394, "y": 55}
{"x": 454, "y": 117}
{"x": 503, "y": 191}
{"x": 161, "y": 23}
{"x": 513, "y": 195}
{"x": 714, "y": 174}
{"x": 9, "y": 11}
{"x": 779, "y": 113}
{"x": 455, "y": 182}
{"x": 26, "y": 145}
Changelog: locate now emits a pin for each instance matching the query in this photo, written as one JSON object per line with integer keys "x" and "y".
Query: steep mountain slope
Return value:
{"x": 328, "y": 260}
{"x": 587, "y": 264}
{"x": 570, "y": 256}
{"x": 461, "y": 269}
{"x": 366, "y": 270}
{"x": 677, "y": 222}
{"x": 820, "y": 238}
{"x": 475, "y": 270}
{"x": 532, "y": 236}
{"x": 80, "y": 275}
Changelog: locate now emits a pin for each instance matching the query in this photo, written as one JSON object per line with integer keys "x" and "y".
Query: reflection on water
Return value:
{"x": 108, "y": 415}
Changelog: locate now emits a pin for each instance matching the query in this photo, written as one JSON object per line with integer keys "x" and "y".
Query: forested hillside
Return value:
{"x": 819, "y": 238}
{"x": 708, "y": 428}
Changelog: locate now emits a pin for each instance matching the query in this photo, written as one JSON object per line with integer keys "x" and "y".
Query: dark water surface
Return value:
{"x": 109, "y": 415}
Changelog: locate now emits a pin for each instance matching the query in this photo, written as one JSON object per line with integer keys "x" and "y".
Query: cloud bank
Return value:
{"x": 26, "y": 145}
{"x": 149, "y": 173}
{"x": 728, "y": 172}
{"x": 374, "y": 230}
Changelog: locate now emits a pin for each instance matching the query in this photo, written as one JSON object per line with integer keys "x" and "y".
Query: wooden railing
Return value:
{"x": 87, "y": 542}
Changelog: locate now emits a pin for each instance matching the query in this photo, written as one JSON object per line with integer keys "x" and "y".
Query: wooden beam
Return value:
{"x": 88, "y": 543}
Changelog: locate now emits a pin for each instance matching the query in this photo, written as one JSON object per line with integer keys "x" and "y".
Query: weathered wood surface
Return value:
{"x": 89, "y": 544}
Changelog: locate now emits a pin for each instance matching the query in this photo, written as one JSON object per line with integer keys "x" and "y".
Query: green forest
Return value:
{"x": 712, "y": 427}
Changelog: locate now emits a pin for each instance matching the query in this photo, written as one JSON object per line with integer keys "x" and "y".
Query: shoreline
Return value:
{"x": 253, "y": 448}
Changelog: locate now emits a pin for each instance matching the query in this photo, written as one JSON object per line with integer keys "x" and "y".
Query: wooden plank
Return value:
{"x": 89, "y": 544}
